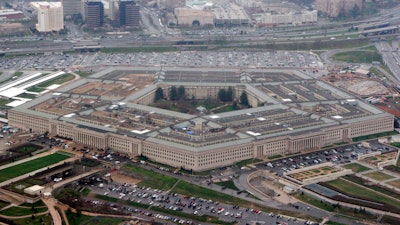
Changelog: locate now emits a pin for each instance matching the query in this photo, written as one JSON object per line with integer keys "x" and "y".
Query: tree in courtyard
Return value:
{"x": 229, "y": 94}
{"x": 222, "y": 95}
{"x": 235, "y": 105}
{"x": 159, "y": 94}
{"x": 181, "y": 92}
{"x": 243, "y": 99}
{"x": 173, "y": 95}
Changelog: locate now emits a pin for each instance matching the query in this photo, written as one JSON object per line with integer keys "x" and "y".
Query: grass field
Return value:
{"x": 29, "y": 166}
{"x": 21, "y": 211}
{"x": 348, "y": 188}
{"x": 379, "y": 176}
{"x": 358, "y": 57}
{"x": 228, "y": 184}
{"x": 357, "y": 168}
{"x": 74, "y": 218}
{"x": 395, "y": 183}
{"x": 150, "y": 178}
{"x": 3, "y": 204}
{"x": 189, "y": 189}
{"x": 37, "y": 220}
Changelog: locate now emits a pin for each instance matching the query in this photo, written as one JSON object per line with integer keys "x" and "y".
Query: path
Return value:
{"x": 50, "y": 203}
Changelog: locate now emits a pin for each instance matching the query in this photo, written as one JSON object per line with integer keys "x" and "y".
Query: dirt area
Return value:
{"x": 121, "y": 179}
{"x": 106, "y": 89}
{"x": 11, "y": 28}
{"x": 363, "y": 87}
{"x": 123, "y": 87}
{"x": 314, "y": 173}
{"x": 357, "y": 84}
{"x": 374, "y": 160}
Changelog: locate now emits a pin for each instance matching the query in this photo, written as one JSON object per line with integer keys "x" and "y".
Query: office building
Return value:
{"x": 50, "y": 16}
{"x": 94, "y": 14}
{"x": 129, "y": 13}
{"x": 298, "y": 114}
{"x": 72, "y": 7}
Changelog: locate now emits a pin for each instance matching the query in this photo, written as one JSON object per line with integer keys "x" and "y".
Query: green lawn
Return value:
{"x": 58, "y": 80}
{"x": 37, "y": 220}
{"x": 228, "y": 184}
{"x": 75, "y": 219}
{"x": 312, "y": 201}
{"x": 379, "y": 176}
{"x": 357, "y": 168}
{"x": 36, "y": 204}
{"x": 29, "y": 166}
{"x": 3, "y": 204}
{"x": 21, "y": 211}
{"x": 358, "y": 57}
{"x": 150, "y": 178}
{"x": 350, "y": 189}
{"x": 395, "y": 183}
{"x": 189, "y": 189}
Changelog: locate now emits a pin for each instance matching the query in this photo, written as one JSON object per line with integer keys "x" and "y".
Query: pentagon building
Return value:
{"x": 291, "y": 112}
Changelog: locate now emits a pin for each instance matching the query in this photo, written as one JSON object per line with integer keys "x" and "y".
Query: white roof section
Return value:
{"x": 140, "y": 131}
{"x": 53, "y": 87}
{"x": 12, "y": 92}
{"x": 19, "y": 81}
{"x": 45, "y": 4}
{"x": 253, "y": 133}
{"x": 41, "y": 80}
{"x": 16, "y": 103}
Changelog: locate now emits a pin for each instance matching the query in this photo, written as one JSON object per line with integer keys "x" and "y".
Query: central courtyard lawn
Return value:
{"x": 357, "y": 168}
{"x": 29, "y": 166}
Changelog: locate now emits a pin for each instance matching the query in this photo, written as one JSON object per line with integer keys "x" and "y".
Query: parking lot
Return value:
{"x": 186, "y": 204}
{"x": 338, "y": 155}
{"x": 265, "y": 59}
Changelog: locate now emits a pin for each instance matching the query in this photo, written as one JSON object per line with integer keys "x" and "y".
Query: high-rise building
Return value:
{"x": 50, "y": 16}
{"x": 72, "y": 7}
{"x": 129, "y": 13}
{"x": 94, "y": 14}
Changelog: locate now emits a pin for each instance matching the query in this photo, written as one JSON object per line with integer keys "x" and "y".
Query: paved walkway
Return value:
{"x": 50, "y": 203}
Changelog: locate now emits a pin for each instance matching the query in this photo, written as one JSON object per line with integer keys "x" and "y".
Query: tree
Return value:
{"x": 173, "y": 95}
{"x": 159, "y": 94}
{"x": 234, "y": 105}
{"x": 355, "y": 12}
{"x": 222, "y": 95}
{"x": 243, "y": 99}
{"x": 181, "y": 92}
{"x": 229, "y": 94}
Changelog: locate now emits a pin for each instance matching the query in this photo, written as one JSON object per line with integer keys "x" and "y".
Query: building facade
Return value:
{"x": 50, "y": 16}
{"x": 71, "y": 7}
{"x": 190, "y": 17}
{"x": 94, "y": 14}
{"x": 292, "y": 18}
{"x": 333, "y": 8}
{"x": 129, "y": 13}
